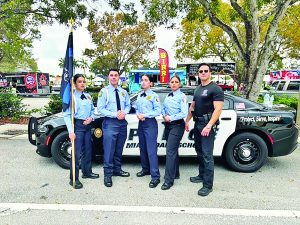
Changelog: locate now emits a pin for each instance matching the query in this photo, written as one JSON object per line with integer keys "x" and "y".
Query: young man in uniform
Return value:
{"x": 206, "y": 106}
{"x": 113, "y": 103}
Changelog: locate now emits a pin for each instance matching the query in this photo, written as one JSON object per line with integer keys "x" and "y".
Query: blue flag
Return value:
{"x": 66, "y": 79}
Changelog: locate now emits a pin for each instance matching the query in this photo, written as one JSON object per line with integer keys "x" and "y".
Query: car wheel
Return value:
{"x": 246, "y": 152}
{"x": 61, "y": 150}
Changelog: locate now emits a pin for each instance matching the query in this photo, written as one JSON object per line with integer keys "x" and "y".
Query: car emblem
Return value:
{"x": 98, "y": 133}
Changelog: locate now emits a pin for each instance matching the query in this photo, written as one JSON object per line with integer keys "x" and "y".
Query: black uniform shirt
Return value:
{"x": 204, "y": 97}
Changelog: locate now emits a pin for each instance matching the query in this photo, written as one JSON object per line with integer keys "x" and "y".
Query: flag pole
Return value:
{"x": 71, "y": 23}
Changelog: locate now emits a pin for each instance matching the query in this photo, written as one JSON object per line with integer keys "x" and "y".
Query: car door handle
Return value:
{"x": 225, "y": 118}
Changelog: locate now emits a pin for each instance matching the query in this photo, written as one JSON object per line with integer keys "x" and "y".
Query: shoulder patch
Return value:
{"x": 123, "y": 93}
{"x": 100, "y": 94}
{"x": 157, "y": 98}
{"x": 89, "y": 97}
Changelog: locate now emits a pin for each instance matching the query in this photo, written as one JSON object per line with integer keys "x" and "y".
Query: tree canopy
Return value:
{"x": 118, "y": 45}
{"x": 19, "y": 23}
{"x": 253, "y": 45}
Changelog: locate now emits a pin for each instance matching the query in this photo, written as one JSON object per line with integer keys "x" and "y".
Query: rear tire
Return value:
{"x": 246, "y": 152}
{"x": 59, "y": 150}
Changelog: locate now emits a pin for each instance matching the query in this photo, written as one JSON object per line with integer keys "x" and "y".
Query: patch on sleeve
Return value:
{"x": 89, "y": 97}
{"x": 123, "y": 94}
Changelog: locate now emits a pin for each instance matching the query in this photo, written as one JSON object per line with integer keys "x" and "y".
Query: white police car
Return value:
{"x": 248, "y": 133}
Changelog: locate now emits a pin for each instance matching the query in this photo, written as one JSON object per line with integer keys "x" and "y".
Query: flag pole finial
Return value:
{"x": 71, "y": 23}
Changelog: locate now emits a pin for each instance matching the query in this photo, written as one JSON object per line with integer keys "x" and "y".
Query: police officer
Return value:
{"x": 147, "y": 108}
{"x": 113, "y": 103}
{"x": 174, "y": 110}
{"x": 207, "y": 105}
{"x": 81, "y": 134}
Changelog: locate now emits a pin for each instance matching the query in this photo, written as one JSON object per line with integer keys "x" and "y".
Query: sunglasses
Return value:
{"x": 201, "y": 71}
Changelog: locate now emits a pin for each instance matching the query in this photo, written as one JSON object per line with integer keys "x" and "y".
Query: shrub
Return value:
{"x": 11, "y": 105}
{"x": 54, "y": 105}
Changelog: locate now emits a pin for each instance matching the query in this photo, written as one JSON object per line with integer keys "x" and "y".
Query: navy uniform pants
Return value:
{"x": 204, "y": 146}
{"x": 83, "y": 149}
{"x": 114, "y": 137}
{"x": 147, "y": 133}
{"x": 173, "y": 134}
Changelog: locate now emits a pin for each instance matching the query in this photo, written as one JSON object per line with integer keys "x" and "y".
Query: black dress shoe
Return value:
{"x": 166, "y": 186}
{"x": 196, "y": 179}
{"x": 107, "y": 181}
{"x": 121, "y": 174}
{"x": 154, "y": 183}
{"x": 142, "y": 173}
{"x": 91, "y": 176}
{"x": 204, "y": 191}
{"x": 78, "y": 184}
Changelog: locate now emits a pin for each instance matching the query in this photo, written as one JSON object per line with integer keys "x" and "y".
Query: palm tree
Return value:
{"x": 83, "y": 64}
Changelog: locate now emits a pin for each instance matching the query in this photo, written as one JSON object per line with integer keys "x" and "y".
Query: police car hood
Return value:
{"x": 54, "y": 120}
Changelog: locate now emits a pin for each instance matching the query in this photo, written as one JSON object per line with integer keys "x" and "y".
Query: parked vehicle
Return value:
{"x": 247, "y": 134}
{"x": 284, "y": 87}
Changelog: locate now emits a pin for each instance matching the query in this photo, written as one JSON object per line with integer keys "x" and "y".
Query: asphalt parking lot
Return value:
{"x": 34, "y": 190}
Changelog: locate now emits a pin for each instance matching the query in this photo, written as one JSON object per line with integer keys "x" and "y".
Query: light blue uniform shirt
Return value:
{"x": 107, "y": 101}
{"x": 148, "y": 105}
{"x": 83, "y": 108}
{"x": 175, "y": 106}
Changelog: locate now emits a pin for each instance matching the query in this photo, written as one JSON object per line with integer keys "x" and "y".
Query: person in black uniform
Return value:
{"x": 174, "y": 111}
{"x": 81, "y": 134}
{"x": 207, "y": 107}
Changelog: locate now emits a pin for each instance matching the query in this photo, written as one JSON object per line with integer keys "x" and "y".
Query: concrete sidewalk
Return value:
{"x": 12, "y": 131}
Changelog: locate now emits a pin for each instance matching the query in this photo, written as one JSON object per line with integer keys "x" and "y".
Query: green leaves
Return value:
{"x": 118, "y": 45}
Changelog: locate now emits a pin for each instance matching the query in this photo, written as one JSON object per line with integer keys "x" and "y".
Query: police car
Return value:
{"x": 247, "y": 134}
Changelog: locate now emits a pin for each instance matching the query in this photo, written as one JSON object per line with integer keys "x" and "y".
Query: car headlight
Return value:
{"x": 43, "y": 129}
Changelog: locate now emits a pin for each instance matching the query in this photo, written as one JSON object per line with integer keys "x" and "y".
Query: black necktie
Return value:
{"x": 118, "y": 100}
{"x": 82, "y": 96}
{"x": 143, "y": 94}
{"x": 171, "y": 94}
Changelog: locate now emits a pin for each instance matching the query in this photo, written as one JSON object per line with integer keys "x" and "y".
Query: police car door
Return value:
{"x": 226, "y": 127}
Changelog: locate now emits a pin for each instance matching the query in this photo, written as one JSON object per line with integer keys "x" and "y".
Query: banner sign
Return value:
{"x": 164, "y": 66}
{"x": 284, "y": 75}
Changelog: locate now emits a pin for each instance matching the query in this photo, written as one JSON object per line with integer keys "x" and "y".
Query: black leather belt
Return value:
{"x": 177, "y": 121}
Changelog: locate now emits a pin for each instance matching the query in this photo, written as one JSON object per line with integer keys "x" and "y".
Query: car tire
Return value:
{"x": 246, "y": 152}
{"x": 59, "y": 150}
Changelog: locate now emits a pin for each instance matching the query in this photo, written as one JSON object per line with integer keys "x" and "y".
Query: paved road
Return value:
{"x": 238, "y": 198}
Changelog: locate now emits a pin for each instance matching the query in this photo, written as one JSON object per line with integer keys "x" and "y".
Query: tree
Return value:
{"x": 118, "y": 45}
{"x": 83, "y": 64}
{"x": 19, "y": 23}
{"x": 256, "y": 50}
{"x": 200, "y": 38}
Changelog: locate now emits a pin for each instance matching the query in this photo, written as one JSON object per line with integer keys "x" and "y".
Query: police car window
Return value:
{"x": 244, "y": 104}
{"x": 293, "y": 86}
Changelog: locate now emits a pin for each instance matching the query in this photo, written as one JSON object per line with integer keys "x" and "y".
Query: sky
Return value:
{"x": 53, "y": 42}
